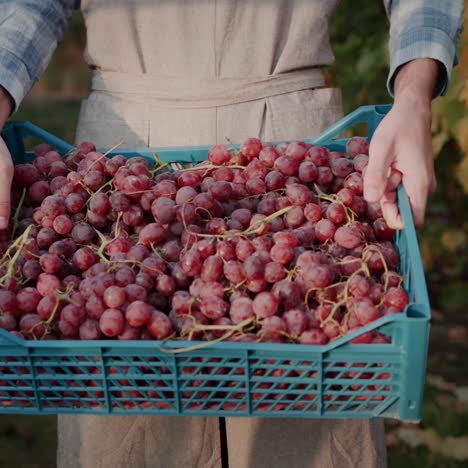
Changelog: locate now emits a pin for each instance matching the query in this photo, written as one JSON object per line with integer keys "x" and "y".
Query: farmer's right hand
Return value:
{"x": 6, "y": 163}
{"x": 6, "y": 176}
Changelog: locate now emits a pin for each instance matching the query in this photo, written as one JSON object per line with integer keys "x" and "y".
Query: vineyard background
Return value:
{"x": 359, "y": 37}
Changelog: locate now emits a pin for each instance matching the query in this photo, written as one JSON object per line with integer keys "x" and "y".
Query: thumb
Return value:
{"x": 375, "y": 177}
{"x": 6, "y": 176}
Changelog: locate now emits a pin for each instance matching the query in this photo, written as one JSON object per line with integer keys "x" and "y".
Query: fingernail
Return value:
{"x": 3, "y": 222}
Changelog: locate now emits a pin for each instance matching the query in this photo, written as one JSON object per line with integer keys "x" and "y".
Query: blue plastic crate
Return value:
{"x": 229, "y": 379}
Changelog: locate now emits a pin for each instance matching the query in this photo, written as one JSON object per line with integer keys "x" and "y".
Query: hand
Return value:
{"x": 6, "y": 163}
{"x": 402, "y": 142}
{"x": 6, "y": 177}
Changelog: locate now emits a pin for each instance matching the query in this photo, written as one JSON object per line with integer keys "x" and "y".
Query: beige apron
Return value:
{"x": 181, "y": 72}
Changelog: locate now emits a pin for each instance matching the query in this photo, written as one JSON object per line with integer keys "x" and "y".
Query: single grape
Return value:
{"x": 275, "y": 180}
{"x": 286, "y": 166}
{"x": 381, "y": 229}
{"x": 348, "y": 237}
{"x": 74, "y": 203}
{"x": 314, "y": 336}
{"x": 90, "y": 330}
{"x": 319, "y": 156}
{"x": 163, "y": 210}
{"x": 95, "y": 307}
{"x": 213, "y": 307}
{"x": 265, "y": 304}
{"x": 25, "y": 175}
{"x": 7, "y": 322}
{"x": 39, "y": 190}
{"x": 50, "y": 263}
{"x": 211, "y": 289}
{"x": 152, "y": 234}
{"x": 296, "y": 321}
{"x": 358, "y": 286}
{"x": 324, "y": 230}
{"x": 47, "y": 284}
{"x": 159, "y": 325}
{"x": 112, "y": 322}
{"x": 273, "y": 329}
{"x": 244, "y": 249}
{"x": 74, "y": 315}
{"x": 62, "y": 224}
{"x": 251, "y": 148}
{"x": 31, "y": 271}
{"x": 212, "y": 269}
{"x": 296, "y": 150}
{"x": 325, "y": 176}
{"x": 282, "y": 254}
{"x": 130, "y": 333}
{"x": 335, "y": 212}
{"x": 288, "y": 293}
{"x": 294, "y": 217}
{"x": 234, "y": 271}
{"x": 7, "y": 300}
{"x": 119, "y": 201}
{"x": 241, "y": 309}
{"x": 138, "y": 313}
{"x": 135, "y": 292}
{"x": 342, "y": 167}
{"x": 366, "y": 311}
{"x": 357, "y": 145}
{"x": 396, "y": 297}
{"x": 317, "y": 276}
{"x": 125, "y": 275}
{"x": 114, "y": 297}
{"x": 83, "y": 233}
{"x": 268, "y": 155}
{"x": 31, "y": 325}
{"x": 219, "y": 154}
{"x": 166, "y": 285}
{"x": 274, "y": 272}
{"x": 53, "y": 206}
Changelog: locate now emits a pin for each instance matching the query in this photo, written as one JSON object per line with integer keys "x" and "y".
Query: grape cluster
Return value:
{"x": 265, "y": 243}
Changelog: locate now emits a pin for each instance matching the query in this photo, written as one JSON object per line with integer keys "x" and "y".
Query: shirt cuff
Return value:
{"x": 14, "y": 76}
{"x": 423, "y": 43}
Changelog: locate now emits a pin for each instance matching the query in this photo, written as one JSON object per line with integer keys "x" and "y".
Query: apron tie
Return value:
{"x": 205, "y": 92}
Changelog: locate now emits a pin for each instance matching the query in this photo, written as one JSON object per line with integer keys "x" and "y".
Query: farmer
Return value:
{"x": 179, "y": 72}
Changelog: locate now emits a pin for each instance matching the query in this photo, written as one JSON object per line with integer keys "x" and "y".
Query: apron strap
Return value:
{"x": 194, "y": 93}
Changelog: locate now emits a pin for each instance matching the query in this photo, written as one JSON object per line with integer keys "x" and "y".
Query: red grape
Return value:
{"x": 112, "y": 322}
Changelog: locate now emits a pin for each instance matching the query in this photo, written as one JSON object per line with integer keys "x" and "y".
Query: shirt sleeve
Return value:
{"x": 29, "y": 33}
{"x": 424, "y": 29}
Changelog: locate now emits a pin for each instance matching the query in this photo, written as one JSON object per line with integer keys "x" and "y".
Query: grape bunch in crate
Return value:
{"x": 262, "y": 243}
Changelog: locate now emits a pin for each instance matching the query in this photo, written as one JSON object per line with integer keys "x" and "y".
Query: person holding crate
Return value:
{"x": 181, "y": 73}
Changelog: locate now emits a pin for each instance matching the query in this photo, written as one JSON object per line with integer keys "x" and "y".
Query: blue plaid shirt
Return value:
{"x": 30, "y": 30}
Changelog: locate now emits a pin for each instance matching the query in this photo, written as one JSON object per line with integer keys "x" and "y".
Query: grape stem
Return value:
{"x": 17, "y": 213}
{"x": 231, "y": 329}
{"x": 350, "y": 214}
{"x": 19, "y": 243}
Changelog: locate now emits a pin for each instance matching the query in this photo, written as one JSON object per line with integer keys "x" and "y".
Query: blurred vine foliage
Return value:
{"x": 450, "y": 115}
{"x": 359, "y": 37}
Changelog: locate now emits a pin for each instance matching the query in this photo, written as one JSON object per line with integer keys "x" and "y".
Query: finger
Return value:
{"x": 6, "y": 176}
{"x": 375, "y": 178}
{"x": 417, "y": 191}
{"x": 4, "y": 202}
{"x": 390, "y": 211}
{"x": 394, "y": 180}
